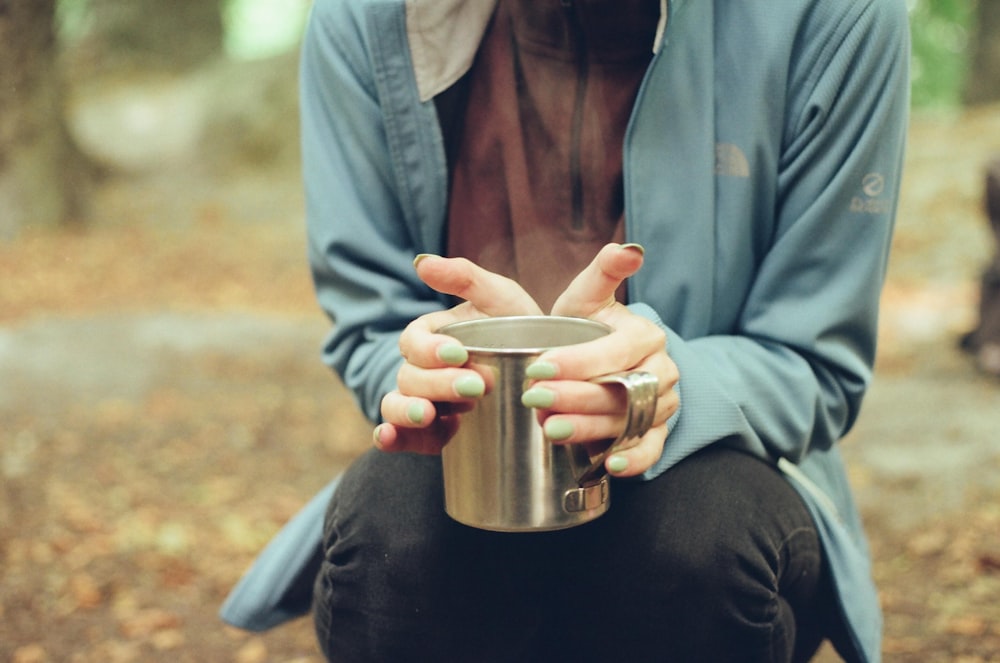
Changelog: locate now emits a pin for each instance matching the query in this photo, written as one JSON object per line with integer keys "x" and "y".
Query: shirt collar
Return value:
{"x": 445, "y": 35}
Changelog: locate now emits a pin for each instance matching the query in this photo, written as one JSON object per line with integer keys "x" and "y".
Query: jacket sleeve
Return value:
{"x": 360, "y": 245}
{"x": 791, "y": 376}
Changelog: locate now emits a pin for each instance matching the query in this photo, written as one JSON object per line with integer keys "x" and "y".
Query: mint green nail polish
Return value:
{"x": 618, "y": 463}
{"x": 415, "y": 412}
{"x": 470, "y": 386}
{"x": 420, "y": 258}
{"x": 452, "y": 353}
{"x": 538, "y": 397}
{"x": 558, "y": 430}
{"x": 541, "y": 370}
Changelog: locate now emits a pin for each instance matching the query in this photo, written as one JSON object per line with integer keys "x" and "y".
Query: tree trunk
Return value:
{"x": 983, "y": 85}
{"x": 36, "y": 182}
{"x": 154, "y": 35}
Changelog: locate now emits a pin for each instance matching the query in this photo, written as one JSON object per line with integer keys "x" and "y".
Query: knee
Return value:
{"x": 387, "y": 517}
{"x": 717, "y": 562}
{"x": 706, "y": 562}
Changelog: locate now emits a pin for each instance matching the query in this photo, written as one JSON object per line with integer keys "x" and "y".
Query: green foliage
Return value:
{"x": 71, "y": 18}
{"x": 253, "y": 28}
{"x": 940, "y": 33}
{"x": 262, "y": 28}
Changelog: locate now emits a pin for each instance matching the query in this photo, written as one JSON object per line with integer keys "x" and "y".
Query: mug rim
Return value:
{"x": 513, "y": 321}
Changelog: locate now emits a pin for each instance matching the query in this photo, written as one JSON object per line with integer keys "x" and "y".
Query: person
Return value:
{"x": 717, "y": 182}
{"x": 983, "y": 341}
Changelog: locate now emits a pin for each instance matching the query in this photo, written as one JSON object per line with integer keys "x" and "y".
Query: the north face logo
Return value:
{"x": 730, "y": 161}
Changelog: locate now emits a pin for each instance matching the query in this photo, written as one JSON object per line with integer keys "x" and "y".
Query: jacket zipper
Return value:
{"x": 576, "y": 127}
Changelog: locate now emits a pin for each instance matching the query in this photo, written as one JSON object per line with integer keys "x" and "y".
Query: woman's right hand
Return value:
{"x": 433, "y": 384}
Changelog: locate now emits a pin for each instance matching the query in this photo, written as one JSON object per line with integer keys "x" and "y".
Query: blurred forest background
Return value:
{"x": 104, "y": 87}
{"x": 98, "y": 86}
{"x": 163, "y": 410}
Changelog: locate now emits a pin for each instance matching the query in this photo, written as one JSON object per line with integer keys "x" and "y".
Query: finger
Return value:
{"x": 490, "y": 293}
{"x": 639, "y": 458}
{"x": 633, "y": 342}
{"x": 443, "y": 384}
{"x": 594, "y": 288}
{"x": 391, "y": 438}
{"x": 413, "y": 424}
{"x": 589, "y": 398}
{"x": 630, "y": 457}
{"x": 573, "y": 427}
{"x": 421, "y": 345}
{"x": 582, "y": 429}
{"x": 407, "y": 411}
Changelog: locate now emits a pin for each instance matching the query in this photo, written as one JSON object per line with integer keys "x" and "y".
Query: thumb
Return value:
{"x": 594, "y": 288}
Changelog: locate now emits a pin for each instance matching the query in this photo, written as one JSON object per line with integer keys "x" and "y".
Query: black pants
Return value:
{"x": 715, "y": 560}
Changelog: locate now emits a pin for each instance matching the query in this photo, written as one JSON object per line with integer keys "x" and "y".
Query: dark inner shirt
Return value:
{"x": 535, "y": 137}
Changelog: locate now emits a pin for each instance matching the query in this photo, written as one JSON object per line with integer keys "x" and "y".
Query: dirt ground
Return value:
{"x": 163, "y": 412}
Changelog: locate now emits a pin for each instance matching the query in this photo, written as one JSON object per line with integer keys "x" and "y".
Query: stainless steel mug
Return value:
{"x": 500, "y": 472}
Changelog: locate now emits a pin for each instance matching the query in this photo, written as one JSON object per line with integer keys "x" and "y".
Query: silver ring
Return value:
{"x": 641, "y": 391}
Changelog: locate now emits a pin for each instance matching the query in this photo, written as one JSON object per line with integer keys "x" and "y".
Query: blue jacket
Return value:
{"x": 762, "y": 164}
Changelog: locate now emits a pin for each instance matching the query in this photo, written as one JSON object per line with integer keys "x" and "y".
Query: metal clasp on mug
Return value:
{"x": 586, "y": 498}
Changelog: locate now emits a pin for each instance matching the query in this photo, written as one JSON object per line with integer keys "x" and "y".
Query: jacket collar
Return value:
{"x": 445, "y": 35}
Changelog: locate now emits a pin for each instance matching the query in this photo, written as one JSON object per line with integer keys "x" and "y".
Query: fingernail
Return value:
{"x": 377, "y": 436}
{"x": 415, "y": 412}
{"x": 452, "y": 353}
{"x": 617, "y": 463}
{"x": 541, "y": 370}
{"x": 635, "y": 247}
{"x": 538, "y": 397}
{"x": 558, "y": 430}
{"x": 420, "y": 257}
{"x": 470, "y": 386}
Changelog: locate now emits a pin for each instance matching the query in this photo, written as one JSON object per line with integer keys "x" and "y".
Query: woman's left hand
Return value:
{"x": 572, "y": 407}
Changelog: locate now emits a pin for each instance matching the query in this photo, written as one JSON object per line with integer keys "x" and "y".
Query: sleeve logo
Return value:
{"x": 871, "y": 202}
